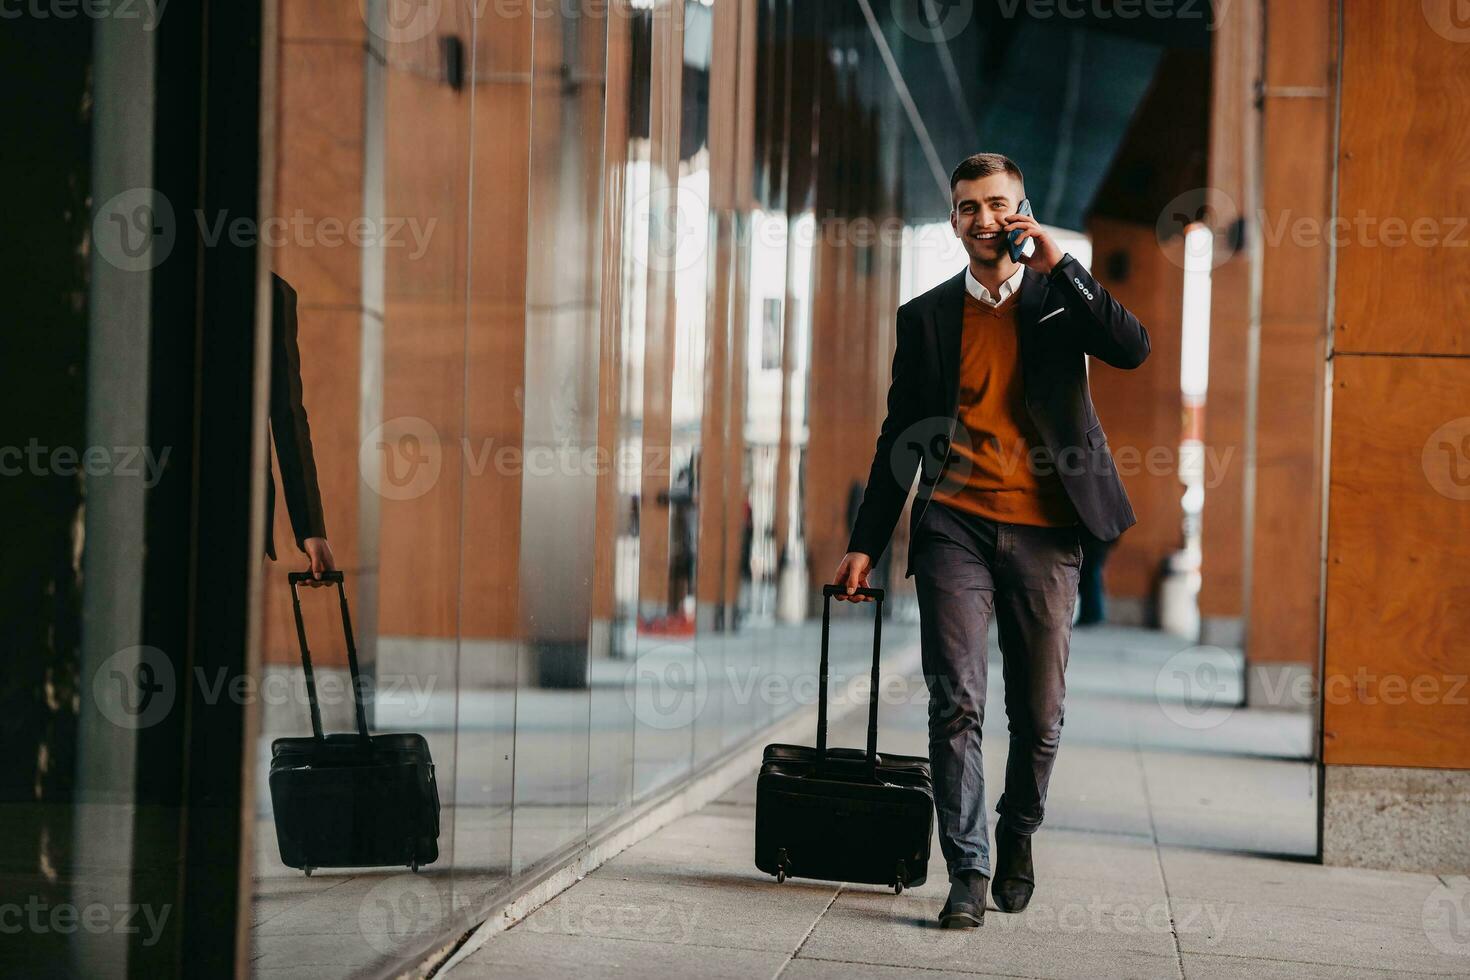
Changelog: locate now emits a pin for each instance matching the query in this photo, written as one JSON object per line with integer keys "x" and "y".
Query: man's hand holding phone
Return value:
{"x": 1046, "y": 254}
{"x": 852, "y": 575}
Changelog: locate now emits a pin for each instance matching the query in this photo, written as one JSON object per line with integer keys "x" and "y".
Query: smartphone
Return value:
{"x": 1027, "y": 248}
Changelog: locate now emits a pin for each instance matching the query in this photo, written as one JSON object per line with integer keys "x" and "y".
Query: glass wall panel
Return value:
{"x": 560, "y": 435}
{"x": 754, "y": 650}
{"x": 494, "y": 452}
{"x": 718, "y": 517}
{"x": 614, "y": 647}
{"x": 674, "y": 212}
{"x": 372, "y": 149}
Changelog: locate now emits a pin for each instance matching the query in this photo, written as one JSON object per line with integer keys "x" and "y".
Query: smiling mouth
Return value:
{"x": 986, "y": 236}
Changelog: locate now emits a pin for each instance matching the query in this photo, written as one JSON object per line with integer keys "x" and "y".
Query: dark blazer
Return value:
{"x": 289, "y": 429}
{"x": 1063, "y": 317}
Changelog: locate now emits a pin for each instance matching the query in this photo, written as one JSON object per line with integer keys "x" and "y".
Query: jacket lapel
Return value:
{"x": 1034, "y": 287}
{"x": 948, "y": 323}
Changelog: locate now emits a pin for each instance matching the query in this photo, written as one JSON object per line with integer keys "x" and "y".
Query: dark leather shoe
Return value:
{"x": 965, "y": 907}
{"x": 1015, "y": 879}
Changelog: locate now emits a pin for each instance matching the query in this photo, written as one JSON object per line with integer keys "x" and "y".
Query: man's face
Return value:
{"x": 978, "y": 207}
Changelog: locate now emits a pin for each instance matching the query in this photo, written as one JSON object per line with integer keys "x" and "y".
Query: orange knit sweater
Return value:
{"x": 991, "y": 472}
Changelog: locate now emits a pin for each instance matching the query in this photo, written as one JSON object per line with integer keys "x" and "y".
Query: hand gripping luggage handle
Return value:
{"x": 296, "y": 578}
{"x": 828, "y": 591}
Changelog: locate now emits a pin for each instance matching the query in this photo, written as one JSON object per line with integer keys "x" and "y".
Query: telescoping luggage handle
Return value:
{"x": 828, "y": 591}
{"x": 296, "y": 578}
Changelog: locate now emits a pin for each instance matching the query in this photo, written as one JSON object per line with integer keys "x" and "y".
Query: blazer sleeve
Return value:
{"x": 890, "y": 476}
{"x": 289, "y": 428}
{"x": 1105, "y": 328}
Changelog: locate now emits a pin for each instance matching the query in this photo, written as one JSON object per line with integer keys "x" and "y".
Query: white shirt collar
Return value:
{"x": 974, "y": 287}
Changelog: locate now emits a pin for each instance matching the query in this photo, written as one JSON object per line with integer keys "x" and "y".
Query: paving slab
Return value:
{"x": 1168, "y": 852}
{"x": 712, "y": 845}
{"x": 519, "y": 954}
{"x": 809, "y": 968}
{"x": 1211, "y": 966}
{"x": 735, "y": 914}
{"x": 1216, "y": 801}
{"x": 902, "y": 933}
{"x": 1254, "y": 879}
{"x": 1386, "y": 938}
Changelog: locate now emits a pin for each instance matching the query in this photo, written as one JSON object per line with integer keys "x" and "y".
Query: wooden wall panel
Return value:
{"x": 719, "y": 511}
{"x": 1398, "y": 603}
{"x": 319, "y": 170}
{"x": 841, "y": 448}
{"x": 1405, "y": 157}
{"x": 312, "y": 20}
{"x": 1299, "y": 42}
{"x": 854, "y": 318}
{"x": 496, "y": 350}
{"x": 426, "y": 145}
{"x": 423, "y": 356}
{"x": 1141, "y": 410}
{"x": 1398, "y": 597}
{"x": 1285, "y": 595}
{"x": 611, "y": 408}
{"x": 666, "y": 77}
{"x": 1222, "y": 522}
{"x": 738, "y": 196}
{"x": 732, "y": 94}
{"x": 1235, "y": 132}
{"x": 853, "y": 335}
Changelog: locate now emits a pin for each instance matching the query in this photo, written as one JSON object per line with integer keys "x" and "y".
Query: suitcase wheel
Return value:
{"x": 900, "y": 878}
{"x": 414, "y": 867}
{"x": 781, "y": 865}
{"x": 308, "y": 870}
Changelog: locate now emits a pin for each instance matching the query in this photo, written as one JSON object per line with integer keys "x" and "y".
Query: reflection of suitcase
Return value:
{"x": 844, "y": 814}
{"x": 351, "y": 800}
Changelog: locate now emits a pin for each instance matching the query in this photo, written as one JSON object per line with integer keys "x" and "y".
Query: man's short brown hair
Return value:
{"x": 985, "y": 165}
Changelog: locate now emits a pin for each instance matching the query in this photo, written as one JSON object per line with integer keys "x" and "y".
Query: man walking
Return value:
{"x": 989, "y": 403}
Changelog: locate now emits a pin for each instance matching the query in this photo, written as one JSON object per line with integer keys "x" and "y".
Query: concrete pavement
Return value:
{"x": 1178, "y": 843}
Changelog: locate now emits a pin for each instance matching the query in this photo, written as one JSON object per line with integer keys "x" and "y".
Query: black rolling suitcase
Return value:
{"x": 351, "y": 799}
{"x": 844, "y": 814}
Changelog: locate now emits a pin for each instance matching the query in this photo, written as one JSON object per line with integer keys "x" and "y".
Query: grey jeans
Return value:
{"x": 967, "y": 569}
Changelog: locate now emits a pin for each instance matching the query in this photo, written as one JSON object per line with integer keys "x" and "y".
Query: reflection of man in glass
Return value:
{"x": 292, "y": 438}
{"x": 683, "y": 533}
{"x": 996, "y": 357}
